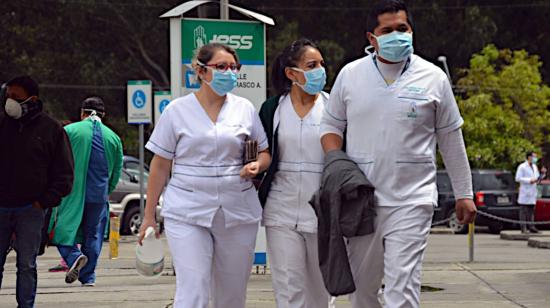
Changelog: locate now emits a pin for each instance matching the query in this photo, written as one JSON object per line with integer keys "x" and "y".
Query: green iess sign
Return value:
{"x": 246, "y": 37}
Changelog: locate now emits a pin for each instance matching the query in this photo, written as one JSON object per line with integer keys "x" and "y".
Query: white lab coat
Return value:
{"x": 391, "y": 135}
{"x": 208, "y": 158}
{"x": 301, "y": 160}
{"x": 527, "y": 191}
{"x": 391, "y": 130}
{"x": 291, "y": 223}
{"x": 211, "y": 213}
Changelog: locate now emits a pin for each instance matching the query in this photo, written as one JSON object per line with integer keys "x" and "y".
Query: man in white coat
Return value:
{"x": 395, "y": 108}
{"x": 528, "y": 175}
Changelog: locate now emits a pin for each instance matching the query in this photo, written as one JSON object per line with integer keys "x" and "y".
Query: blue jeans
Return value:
{"x": 26, "y": 224}
{"x": 93, "y": 225}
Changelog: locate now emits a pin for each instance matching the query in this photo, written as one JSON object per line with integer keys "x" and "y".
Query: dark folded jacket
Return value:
{"x": 345, "y": 208}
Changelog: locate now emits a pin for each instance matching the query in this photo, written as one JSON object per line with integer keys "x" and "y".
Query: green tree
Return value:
{"x": 505, "y": 107}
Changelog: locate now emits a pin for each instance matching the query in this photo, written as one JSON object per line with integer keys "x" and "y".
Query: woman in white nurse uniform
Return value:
{"x": 211, "y": 210}
{"x": 292, "y": 121}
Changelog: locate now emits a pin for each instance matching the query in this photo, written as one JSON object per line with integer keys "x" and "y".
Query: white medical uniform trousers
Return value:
{"x": 394, "y": 252}
{"x": 295, "y": 273}
{"x": 216, "y": 258}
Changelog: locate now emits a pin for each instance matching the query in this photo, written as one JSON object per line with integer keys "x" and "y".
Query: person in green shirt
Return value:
{"x": 82, "y": 216}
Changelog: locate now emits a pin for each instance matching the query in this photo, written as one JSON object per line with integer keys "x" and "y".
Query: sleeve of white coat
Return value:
{"x": 163, "y": 140}
{"x": 447, "y": 115}
{"x": 453, "y": 151}
{"x": 334, "y": 119}
{"x": 258, "y": 132}
{"x": 521, "y": 177}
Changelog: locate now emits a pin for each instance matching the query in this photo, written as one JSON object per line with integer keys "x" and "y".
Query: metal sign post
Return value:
{"x": 139, "y": 112}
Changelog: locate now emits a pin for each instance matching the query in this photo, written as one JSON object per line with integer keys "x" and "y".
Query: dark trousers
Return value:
{"x": 527, "y": 213}
{"x": 27, "y": 226}
{"x": 93, "y": 226}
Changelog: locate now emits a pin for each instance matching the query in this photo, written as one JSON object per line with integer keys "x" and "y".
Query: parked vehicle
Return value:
{"x": 124, "y": 200}
{"x": 495, "y": 193}
{"x": 542, "y": 209}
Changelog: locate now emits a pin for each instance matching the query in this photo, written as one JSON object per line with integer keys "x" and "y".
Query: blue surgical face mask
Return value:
{"x": 396, "y": 46}
{"x": 222, "y": 83}
{"x": 315, "y": 80}
{"x": 534, "y": 160}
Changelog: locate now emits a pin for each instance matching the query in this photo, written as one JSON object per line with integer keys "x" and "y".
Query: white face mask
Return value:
{"x": 93, "y": 115}
{"x": 15, "y": 109}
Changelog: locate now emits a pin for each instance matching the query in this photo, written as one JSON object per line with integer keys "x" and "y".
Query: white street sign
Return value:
{"x": 162, "y": 99}
{"x": 139, "y": 102}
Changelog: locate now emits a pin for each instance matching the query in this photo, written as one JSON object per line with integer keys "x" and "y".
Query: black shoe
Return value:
{"x": 72, "y": 274}
{"x": 534, "y": 230}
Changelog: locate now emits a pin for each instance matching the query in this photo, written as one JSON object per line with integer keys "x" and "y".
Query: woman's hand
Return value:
{"x": 147, "y": 222}
{"x": 250, "y": 170}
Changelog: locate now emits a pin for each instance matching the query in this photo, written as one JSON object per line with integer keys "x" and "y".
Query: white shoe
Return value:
{"x": 74, "y": 271}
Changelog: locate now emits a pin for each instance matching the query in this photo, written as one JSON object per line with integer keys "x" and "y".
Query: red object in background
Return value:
{"x": 480, "y": 198}
{"x": 542, "y": 210}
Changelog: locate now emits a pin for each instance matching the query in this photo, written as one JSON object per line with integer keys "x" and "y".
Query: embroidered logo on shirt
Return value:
{"x": 415, "y": 90}
{"x": 412, "y": 110}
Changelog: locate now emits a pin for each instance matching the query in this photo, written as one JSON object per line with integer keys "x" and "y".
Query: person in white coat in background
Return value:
{"x": 292, "y": 120}
{"x": 528, "y": 176}
{"x": 211, "y": 210}
{"x": 397, "y": 108}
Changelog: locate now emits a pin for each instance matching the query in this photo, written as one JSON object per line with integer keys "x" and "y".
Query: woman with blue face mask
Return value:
{"x": 211, "y": 210}
{"x": 291, "y": 120}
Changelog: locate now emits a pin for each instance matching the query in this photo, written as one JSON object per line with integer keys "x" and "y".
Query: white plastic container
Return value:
{"x": 150, "y": 255}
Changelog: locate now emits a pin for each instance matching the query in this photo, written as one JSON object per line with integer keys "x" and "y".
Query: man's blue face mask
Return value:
{"x": 396, "y": 46}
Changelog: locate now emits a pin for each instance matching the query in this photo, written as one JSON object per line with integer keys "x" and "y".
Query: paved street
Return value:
{"x": 504, "y": 274}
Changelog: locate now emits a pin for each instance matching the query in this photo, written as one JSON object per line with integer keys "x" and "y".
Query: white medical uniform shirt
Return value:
{"x": 301, "y": 160}
{"x": 527, "y": 191}
{"x": 391, "y": 129}
{"x": 207, "y": 159}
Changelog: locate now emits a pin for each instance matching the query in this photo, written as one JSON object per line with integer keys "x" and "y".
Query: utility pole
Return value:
{"x": 224, "y": 9}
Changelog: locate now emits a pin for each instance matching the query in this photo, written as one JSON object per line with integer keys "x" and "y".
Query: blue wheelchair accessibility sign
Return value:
{"x": 163, "y": 105}
{"x": 139, "y": 99}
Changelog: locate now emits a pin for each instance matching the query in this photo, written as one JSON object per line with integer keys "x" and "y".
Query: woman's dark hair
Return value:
{"x": 386, "y": 6}
{"x": 207, "y": 52}
{"x": 290, "y": 57}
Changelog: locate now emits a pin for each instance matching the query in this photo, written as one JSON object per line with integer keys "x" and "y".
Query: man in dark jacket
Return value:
{"x": 37, "y": 171}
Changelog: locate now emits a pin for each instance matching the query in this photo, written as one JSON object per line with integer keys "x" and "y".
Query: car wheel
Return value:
{"x": 455, "y": 225}
{"x": 132, "y": 221}
{"x": 495, "y": 228}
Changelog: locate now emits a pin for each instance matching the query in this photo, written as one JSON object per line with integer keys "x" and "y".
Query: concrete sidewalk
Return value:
{"x": 504, "y": 274}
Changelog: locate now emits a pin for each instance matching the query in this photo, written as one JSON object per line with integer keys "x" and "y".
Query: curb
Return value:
{"x": 518, "y": 236}
{"x": 539, "y": 243}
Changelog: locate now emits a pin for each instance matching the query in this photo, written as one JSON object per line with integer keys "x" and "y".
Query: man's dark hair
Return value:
{"x": 26, "y": 82}
{"x": 529, "y": 154}
{"x": 386, "y": 6}
{"x": 93, "y": 103}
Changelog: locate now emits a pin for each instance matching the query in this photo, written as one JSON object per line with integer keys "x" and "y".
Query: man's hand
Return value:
{"x": 533, "y": 181}
{"x": 250, "y": 170}
{"x": 465, "y": 211}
